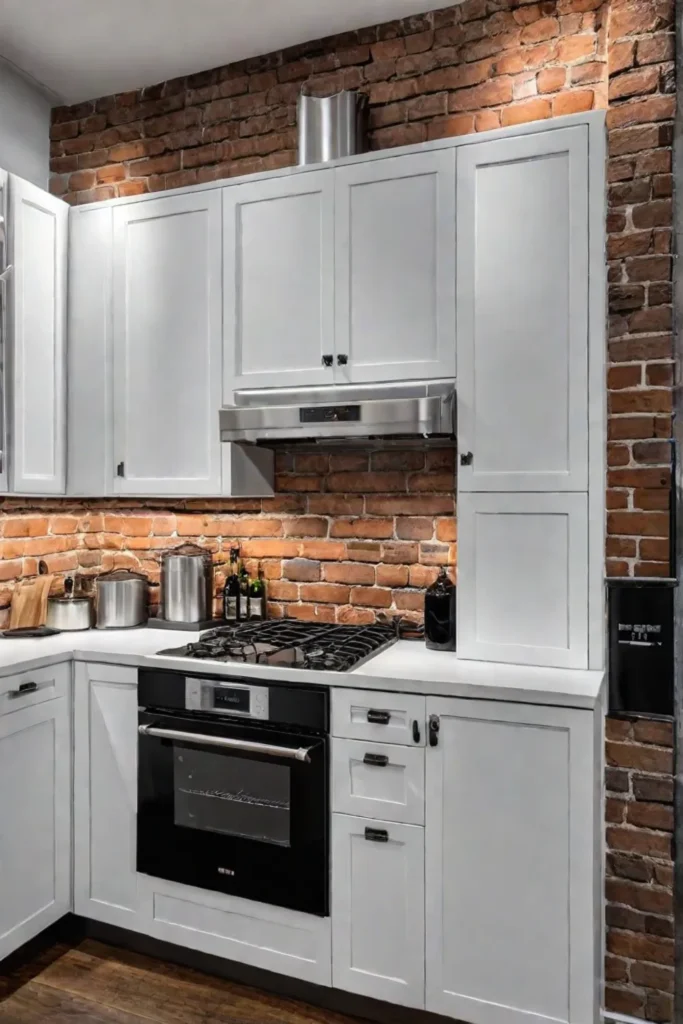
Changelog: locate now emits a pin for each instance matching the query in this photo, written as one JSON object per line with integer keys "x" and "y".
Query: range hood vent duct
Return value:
{"x": 331, "y": 127}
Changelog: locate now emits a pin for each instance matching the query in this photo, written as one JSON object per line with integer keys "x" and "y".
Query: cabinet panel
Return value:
{"x": 395, "y": 267}
{"x": 105, "y": 793}
{"x": 379, "y": 716}
{"x": 278, "y": 282}
{"x": 523, "y": 579}
{"x": 511, "y": 905}
{"x": 37, "y": 396}
{"x": 522, "y": 312}
{"x": 378, "y": 910}
{"x": 167, "y": 345}
{"x": 35, "y": 811}
{"x": 378, "y": 780}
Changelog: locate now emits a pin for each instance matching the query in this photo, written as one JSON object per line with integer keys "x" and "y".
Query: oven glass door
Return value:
{"x": 234, "y": 807}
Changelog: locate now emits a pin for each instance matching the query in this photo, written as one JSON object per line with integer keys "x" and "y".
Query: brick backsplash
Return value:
{"x": 350, "y": 534}
{"x": 347, "y": 535}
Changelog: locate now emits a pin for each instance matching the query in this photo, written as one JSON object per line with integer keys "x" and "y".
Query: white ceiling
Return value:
{"x": 83, "y": 49}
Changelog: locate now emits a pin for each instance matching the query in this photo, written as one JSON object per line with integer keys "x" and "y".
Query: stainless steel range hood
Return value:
{"x": 411, "y": 409}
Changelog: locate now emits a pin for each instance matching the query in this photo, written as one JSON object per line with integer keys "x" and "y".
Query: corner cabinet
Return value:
{"x": 35, "y": 803}
{"x": 35, "y": 323}
{"x": 512, "y": 864}
{"x": 523, "y": 281}
{"x": 167, "y": 349}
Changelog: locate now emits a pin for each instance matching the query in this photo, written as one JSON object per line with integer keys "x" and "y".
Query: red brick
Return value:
{"x": 619, "y": 377}
{"x": 652, "y": 452}
{"x": 323, "y": 550}
{"x": 654, "y": 550}
{"x": 291, "y": 482}
{"x": 638, "y": 112}
{"x": 634, "y": 83}
{"x": 392, "y": 576}
{"x": 575, "y": 48}
{"x": 302, "y": 570}
{"x": 400, "y": 553}
{"x": 659, "y": 733}
{"x": 656, "y": 48}
{"x": 372, "y": 528}
{"x": 652, "y": 400}
{"x": 620, "y": 547}
{"x": 489, "y": 94}
{"x": 632, "y": 140}
{"x": 639, "y": 477}
{"x": 448, "y": 127}
{"x": 625, "y": 1001}
{"x": 349, "y": 461}
{"x": 653, "y": 816}
{"x": 370, "y": 596}
{"x": 363, "y": 551}
{"x": 654, "y": 499}
{"x": 551, "y": 79}
{"x": 643, "y": 757}
{"x": 584, "y": 74}
{"x": 641, "y": 947}
{"x": 355, "y": 616}
{"x": 616, "y": 969}
{"x": 649, "y": 844}
{"x": 540, "y": 30}
{"x": 485, "y": 120}
{"x": 574, "y": 102}
{"x": 342, "y": 572}
{"x": 366, "y": 482}
{"x": 649, "y": 268}
{"x": 652, "y": 976}
{"x": 336, "y": 504}
{"x": 529, "y": 110}
{"x": 324, "y": 593}
{"x": 422, "y": 575}
{"x": 311, "y": 613}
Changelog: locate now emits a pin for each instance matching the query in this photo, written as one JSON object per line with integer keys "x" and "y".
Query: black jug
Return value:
{"x": 440, "y": 614}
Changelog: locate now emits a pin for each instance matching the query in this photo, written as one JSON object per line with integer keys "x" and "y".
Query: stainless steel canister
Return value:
{"x": 186, "y": 584}
{"x": 331, "y": 127}
{"x": 121, "y": 599}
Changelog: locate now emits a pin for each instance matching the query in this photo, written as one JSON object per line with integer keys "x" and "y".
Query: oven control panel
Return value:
{"x": 226, "y": 698}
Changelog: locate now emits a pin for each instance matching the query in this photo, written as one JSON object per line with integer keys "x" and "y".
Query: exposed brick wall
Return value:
{"x": 468, "y": 68}
{"x": 640, "y": 938}
{"x": 640, "y": 120}
{"x": 348, "y": 534}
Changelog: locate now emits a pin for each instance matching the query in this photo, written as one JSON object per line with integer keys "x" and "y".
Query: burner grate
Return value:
{"x": 311, "y": 645}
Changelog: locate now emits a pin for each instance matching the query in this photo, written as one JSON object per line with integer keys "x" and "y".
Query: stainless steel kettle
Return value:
{"x": 186, "y": 584}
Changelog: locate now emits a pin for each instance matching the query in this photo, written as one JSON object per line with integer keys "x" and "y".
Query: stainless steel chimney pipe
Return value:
{"x": 331, "y": 127}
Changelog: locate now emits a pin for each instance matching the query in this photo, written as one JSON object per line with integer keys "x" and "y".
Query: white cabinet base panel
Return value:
{"x": 272, "y": 938}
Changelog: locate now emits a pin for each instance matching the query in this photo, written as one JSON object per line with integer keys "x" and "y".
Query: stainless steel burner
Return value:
{"x": 311, "y": 645}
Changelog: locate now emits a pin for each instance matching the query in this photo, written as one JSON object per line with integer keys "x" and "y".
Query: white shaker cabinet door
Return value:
{"x": 395, "y": 268}
{"x": 522, "y": 309}
{"x": 523, "y": 579}
{"x": 378, "y": 909}
{"x": 36, "y": 290}
{"x": 278, "y": 282}
{"x": 513, "y": 898}
{"x": 105, "y": 793}
{"x": 35, "y": 818}
{"x": 167, "y": 345}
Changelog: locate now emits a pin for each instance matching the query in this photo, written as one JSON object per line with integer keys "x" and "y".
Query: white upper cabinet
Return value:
{"x": 522, "y": 309}
{"x": 278, "y": 282}
{"x": 395, "y": 268}
{"x": 512, "y": 904}
{"x": 167, "y": 351}
{"x": 36, "y": 293}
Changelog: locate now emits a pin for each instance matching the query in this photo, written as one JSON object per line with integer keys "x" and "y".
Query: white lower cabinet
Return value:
{"x": 378, "y": 909}
{"x": 105, "y": 793}
{"x": 35, "y": 810}
{"x": 510, "y": 866}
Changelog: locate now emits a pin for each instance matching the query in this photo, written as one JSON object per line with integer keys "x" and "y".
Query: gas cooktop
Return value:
{"x": 311, "y": 645}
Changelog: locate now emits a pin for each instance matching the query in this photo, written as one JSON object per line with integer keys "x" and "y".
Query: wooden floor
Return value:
{"x": 97, "y": 984}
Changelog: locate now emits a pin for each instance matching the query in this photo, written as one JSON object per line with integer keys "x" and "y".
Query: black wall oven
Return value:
{"x": 233, "y": 787}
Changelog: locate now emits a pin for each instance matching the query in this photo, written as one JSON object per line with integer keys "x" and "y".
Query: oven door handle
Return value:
{"x": 295, "y": 753}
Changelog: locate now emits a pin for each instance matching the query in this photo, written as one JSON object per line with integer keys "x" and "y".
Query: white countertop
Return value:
{"x": 406, "y": 667}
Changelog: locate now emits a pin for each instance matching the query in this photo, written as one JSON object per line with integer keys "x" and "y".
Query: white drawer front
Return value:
{"x": 378, "y": 780}
{"x": 379, "y": 716}
{"x": 28, "y": 688}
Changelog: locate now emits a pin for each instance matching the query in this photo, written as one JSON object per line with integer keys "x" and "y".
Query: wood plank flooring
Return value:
{"x": 93, "y": 983}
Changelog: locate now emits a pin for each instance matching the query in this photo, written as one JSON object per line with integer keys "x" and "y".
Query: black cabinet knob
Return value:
{"x": 466, "y": 459}
{"x": 342, "y": 360}
{"x": 434, "y": 725}
{"x": 327, "y": 360}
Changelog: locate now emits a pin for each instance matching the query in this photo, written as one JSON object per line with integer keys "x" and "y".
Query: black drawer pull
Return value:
{"x": 434, "y": 725}
{"x": 377, "y": 835}
{"x": 378, "y": 760}
{"x": 23, "y": 690}
{"x": 379, "y": 717}
{"x": 416, "y": 731}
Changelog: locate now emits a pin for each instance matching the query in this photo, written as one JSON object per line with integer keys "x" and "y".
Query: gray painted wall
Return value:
{"x": 24, "y": 127}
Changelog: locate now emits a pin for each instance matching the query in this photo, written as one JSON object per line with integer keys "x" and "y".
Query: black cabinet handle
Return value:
{"x": 377, "y": 835}
{"x": 342, "y": 359}
{"x": 466, "y": 459}
{"x": 120, "y": 469}
{"x": 378, "y": 760}
{"x": 379, "y": 717}
{"x": 434, "y": 726}
{"x": 327, "y": 360}
{"x": 416, "y": 731}
{"x": 23, "y": 690}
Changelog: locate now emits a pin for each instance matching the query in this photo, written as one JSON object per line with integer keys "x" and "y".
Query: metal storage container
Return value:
{"x": 186, "y": 584}
{"x": 331, "y": 127}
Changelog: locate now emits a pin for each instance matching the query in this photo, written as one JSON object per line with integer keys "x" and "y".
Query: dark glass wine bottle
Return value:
{"x": 257, "y": 598}
{"x": 231, "y": 591}
{"x": 244, "y": 595}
